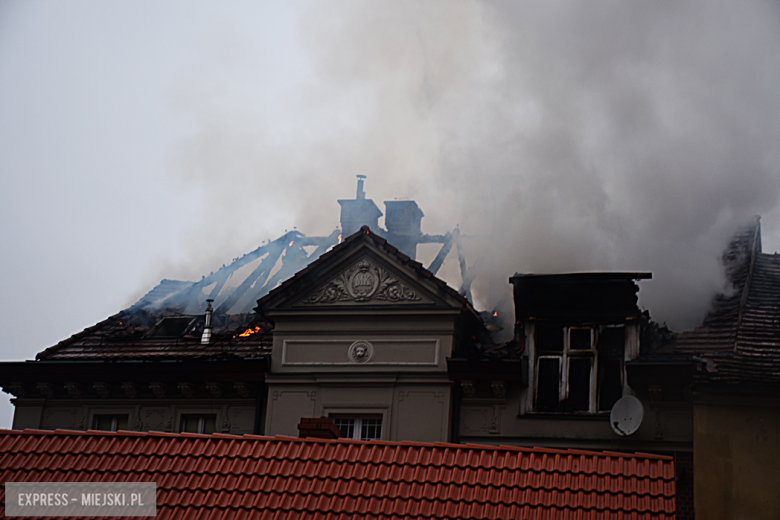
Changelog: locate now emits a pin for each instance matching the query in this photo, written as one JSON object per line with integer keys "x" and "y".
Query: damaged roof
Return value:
{"x": 236, "y": 287}
{"x": 142, "y": 335}
{"x": 137, "y": 333}
{"x": 225, "y": 476}
{"x": 739, "y": 340}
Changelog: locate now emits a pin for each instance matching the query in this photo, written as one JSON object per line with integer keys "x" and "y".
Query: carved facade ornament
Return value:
{"x": 495, "y": 423}
{"x": 131, "y": 390}
{"x": 17, "y": 389}
{"x": 360, "y": 352}
{"x": 74, "y": 390}
{"x": 656, "y": 393}
{"x": 225, "y": 419}
{"x": 469, "y": 390}
{"x": 101, "y": 389}
{"x": 363, "y": 282}
{"x": 241, "y": 388}
{"x": 154, "y": 418}
{"x": 215, "y": 389}
{"x": 46, "y": 390}
{"x": 499, "y": 389}
{"x": 186, "y": 390}
{"x": 158, "y": 389}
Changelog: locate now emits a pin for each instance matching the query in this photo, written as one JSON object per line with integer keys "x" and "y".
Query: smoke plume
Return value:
{"x": 574, "y": 136}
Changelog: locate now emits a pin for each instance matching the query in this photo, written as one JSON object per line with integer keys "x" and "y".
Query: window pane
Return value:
{"x": 549, "y": 338}
{"x": 579, "y": 339}
{"x": 110, "y": 423}
{"x": 610, "y": 382}
{"x": 579, "y": 384}
{"x": 209, "y": 424}
{"x": 189, "y": 423}
{"x": 371, "y": 429}
{"x": 103, "y": 422}
{"x": 612, "y": 341}
{"x": 346, "y": 427}
{"x": 199, "y": 423}
{"x": 548, "y": 384}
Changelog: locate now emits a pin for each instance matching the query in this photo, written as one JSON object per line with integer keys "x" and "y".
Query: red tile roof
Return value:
{"x": 224, "y": 476}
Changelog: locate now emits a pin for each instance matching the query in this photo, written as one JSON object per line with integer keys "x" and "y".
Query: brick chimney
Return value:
{"x": 319, "y": 427}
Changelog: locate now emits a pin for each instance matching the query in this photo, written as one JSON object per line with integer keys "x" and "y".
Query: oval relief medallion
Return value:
{"x": 364, "y": 282}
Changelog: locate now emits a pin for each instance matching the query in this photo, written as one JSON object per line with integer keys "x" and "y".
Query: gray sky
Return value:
{"x": 143, "y": 140}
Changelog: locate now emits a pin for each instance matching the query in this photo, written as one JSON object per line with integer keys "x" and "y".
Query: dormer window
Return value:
{"x": 577, "y": 368}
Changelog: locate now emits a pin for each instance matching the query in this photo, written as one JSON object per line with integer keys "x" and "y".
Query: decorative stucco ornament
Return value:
{"x": 360, "y": 352}
{"x": 363, "y": 282}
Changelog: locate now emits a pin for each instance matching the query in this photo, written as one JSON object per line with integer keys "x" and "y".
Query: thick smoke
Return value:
{"x": 576, "y": 136}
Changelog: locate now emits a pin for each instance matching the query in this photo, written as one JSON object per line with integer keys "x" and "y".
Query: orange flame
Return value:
{"x": 291, "y": 243}
{"x": 339, "y": 239}
{"x": 495, "y": 314}
{"x": 248, "y": 332}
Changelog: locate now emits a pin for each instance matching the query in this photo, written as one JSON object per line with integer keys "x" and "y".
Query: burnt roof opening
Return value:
{"x": 170, "y": 327}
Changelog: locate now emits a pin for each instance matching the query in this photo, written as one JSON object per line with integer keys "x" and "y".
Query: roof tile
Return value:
{"x": 217, "y": 476}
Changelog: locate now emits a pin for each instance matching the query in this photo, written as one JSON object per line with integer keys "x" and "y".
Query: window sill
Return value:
{"x": 483, "y": 400}
{"x": 566, "y": 416}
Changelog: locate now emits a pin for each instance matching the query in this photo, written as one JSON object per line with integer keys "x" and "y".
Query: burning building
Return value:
{"x": 351, "y": 327}
{"x": 204, "y": 357}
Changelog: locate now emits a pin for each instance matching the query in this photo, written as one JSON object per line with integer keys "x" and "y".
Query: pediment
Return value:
{"x": 363, "y": 271}
{"x": 366, "y": 282}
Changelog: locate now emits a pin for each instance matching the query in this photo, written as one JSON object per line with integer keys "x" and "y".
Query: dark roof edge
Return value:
{"x": 53, "y": 349}
{"x": 283, "y": 438}
{"x": 754, "y": 250}
{"x": 252, "y": 370}
{"x": 600, "y": 276}
{"x": 661, "y": 360}
{"x": 737, "y": 388}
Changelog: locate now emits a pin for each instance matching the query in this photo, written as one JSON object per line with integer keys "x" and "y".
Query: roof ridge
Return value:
{"x": 754, "y": 250}
{"x": 316, "y": 440}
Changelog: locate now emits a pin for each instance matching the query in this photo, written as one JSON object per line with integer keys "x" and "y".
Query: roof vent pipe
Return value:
{"x": 204, "y": 340}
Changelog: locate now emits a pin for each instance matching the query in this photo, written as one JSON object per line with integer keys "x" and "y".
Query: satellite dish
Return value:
{"x": 626, "y": 416}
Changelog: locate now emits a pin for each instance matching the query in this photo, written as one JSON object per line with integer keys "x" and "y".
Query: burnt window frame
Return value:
{"x": 564, "y": 358}
{"x": 170, "y": 327}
